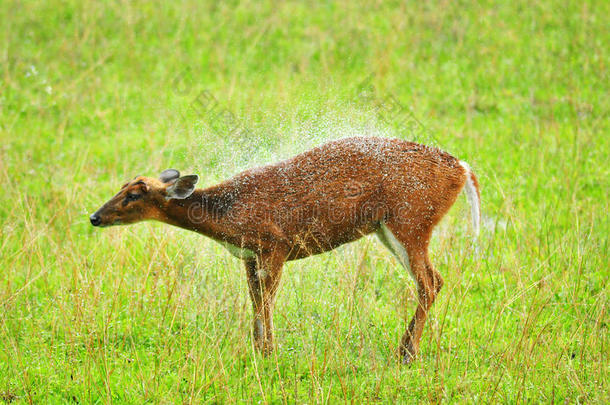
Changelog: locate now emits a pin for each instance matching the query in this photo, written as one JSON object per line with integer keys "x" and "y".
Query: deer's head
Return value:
{"x": 144, "y": 198}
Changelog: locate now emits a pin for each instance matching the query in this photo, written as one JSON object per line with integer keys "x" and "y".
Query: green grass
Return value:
{"x": 93, "y": 93}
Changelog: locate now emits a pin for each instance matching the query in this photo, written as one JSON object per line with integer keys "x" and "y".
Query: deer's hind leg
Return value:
{"x": 411, "y": 250}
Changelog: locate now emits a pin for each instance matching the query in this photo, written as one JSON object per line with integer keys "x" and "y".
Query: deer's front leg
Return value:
{"x": 264, "y": 273}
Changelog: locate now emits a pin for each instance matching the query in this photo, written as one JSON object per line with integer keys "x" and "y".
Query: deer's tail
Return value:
{"x": 474, "y": 197}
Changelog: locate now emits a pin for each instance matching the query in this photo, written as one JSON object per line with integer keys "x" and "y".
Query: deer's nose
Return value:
{"x": 95, "y": 219}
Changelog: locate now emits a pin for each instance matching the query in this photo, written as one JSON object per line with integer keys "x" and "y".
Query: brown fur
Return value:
{"x": 312, "y": 203}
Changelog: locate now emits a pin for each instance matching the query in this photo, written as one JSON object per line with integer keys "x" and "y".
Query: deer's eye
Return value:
{"x": 131, "y": 197}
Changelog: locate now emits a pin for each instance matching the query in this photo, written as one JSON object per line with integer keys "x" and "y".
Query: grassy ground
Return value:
{"x": 93, "y": 93}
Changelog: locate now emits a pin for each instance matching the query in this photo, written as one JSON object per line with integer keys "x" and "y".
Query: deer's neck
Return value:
{"x": 204, "y": 212}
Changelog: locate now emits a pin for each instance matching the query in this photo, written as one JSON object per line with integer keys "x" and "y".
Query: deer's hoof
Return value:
{"x": 407, "y": 354}
{"x": 265, "y": 348}
{"x": 407, "y": 359}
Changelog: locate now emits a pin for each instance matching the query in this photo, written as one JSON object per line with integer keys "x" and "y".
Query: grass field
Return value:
{"x": 94, "y": 93}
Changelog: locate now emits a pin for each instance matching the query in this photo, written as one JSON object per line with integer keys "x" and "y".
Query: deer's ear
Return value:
{"x": 142, "y": 186}
{"x": 168, "y": 175}
{"x": 182, "y": 187}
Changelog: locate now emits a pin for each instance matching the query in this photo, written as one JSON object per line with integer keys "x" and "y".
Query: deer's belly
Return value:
{"x": 312, "y": 243}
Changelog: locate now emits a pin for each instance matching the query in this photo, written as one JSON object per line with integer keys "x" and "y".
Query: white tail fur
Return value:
{"x": 472, "y": 195}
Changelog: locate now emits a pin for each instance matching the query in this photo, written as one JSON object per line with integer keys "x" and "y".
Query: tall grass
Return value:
{"x": 93, "y": 93}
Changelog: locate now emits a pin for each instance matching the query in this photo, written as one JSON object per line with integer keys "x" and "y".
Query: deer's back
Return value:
{"x": 339, "y": 191}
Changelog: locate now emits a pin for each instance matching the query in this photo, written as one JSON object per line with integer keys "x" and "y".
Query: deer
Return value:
{"x": 309, "y": 204}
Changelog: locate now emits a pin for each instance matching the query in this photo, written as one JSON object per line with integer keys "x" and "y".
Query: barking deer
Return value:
{"x": 310, "y": 204}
